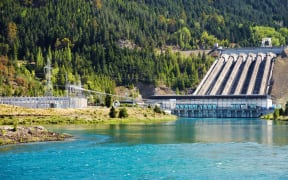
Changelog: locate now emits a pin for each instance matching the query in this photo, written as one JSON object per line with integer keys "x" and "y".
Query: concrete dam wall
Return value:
{"x": 238, "y": 74}
{"x": 237, "y": 85}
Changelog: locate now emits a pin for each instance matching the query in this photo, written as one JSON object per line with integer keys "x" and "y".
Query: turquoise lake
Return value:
{"x": 183, "y": 149}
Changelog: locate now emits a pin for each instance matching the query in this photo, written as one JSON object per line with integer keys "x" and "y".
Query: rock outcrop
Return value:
{"x": 10, "y": 135}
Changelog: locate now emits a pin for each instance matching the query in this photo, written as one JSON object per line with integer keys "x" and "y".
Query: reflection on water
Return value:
{"x": 196, "y": 131}
{"x": 184, "y": 149}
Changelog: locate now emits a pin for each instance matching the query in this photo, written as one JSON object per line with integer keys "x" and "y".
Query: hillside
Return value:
{"x": 279, "y": 91}
{"x": 104, "y": 44}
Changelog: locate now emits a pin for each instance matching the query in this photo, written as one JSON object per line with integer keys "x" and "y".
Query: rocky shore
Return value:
{"x": 23, "y": 125}
{"x": 15, "y": 135}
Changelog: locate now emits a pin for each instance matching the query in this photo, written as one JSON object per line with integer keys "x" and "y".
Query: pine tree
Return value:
{"x": 113, "y": 112}
{"x": 286, "y": 108}
{"x": 39, "y": 60}
{"x": 108, "y": 101}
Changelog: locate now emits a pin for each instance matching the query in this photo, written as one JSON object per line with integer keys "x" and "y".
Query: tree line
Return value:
{"x": 103, "y": 44}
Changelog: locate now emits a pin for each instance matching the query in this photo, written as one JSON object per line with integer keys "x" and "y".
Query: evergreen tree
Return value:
{"x": 109, "y": 43}
{"x": 157, "y": 109}
{"x": 39, "y": 60}
{"x": 286, "y": 108}
{"x": 108, "y": 100}
{"x": 113, "y": 112}
{"x": 281, "y": 112}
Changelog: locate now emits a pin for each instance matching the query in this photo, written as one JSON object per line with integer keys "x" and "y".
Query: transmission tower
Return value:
{"x": 48, "y": 75}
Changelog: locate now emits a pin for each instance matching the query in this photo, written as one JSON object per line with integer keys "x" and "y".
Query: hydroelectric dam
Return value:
{"x": 237, "y": 85}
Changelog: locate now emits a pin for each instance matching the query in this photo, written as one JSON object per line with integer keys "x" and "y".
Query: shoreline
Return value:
{"x": 24, "y": 125}
{"x": 18, "y": 135}
{"x": 270, "y": 117}
{"x": 11, "y": 115}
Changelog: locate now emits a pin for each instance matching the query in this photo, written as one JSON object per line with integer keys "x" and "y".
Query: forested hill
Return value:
{"x": 115, "y": 42}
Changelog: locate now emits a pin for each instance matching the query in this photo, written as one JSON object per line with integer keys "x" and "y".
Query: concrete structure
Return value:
{"x": 236, "y": 74}
{"x": 45, "y": 102}
{"x": 218, "y": 106}
{"x": 236, "y": 86}
{"x": 266, "y": 42}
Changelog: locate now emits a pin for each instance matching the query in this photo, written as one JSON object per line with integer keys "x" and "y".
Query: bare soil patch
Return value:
{"x": 279, "y": 91}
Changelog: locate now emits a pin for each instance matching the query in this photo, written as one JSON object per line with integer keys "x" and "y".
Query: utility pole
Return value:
{"x": 48, "y": 75}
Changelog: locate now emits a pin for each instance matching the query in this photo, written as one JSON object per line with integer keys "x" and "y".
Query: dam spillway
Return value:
{"x": 238, "y": 74}
{"x": 237, "y": 85}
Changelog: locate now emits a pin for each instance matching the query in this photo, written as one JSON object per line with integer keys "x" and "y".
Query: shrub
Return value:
{"x": 15, "y": 125}
{"x": 276, "y": 114}
{"x": 281, "y": 112}
{"x": 108, "y": 101}
{"x": 112, "y": 113}
{"x": 157, "y": 109}
{"x": 123, "y": 113}
{"x": 286, "y": 108}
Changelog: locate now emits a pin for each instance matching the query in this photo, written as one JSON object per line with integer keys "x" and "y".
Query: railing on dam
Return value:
{"x": 214, "y": 106}
{"x": 195, "y": 106}
{"x": 218, "y": 113}
{"x": 255, "y": 50}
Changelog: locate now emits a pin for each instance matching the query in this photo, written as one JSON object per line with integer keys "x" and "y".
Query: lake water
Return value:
{"x": 184, "y": 149}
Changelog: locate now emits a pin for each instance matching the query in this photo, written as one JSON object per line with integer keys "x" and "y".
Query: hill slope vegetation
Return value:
{"x": 103, "y": 44}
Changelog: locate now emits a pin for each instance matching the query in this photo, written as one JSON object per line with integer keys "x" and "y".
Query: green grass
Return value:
{"x": 9, "y": 115}
{"x": 35, "y": 120}
{"x": 270, "y": 117}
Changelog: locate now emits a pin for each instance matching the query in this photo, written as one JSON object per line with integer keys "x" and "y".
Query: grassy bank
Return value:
{"x": 270, "y": 117}
{"x": 13, "y": 115}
